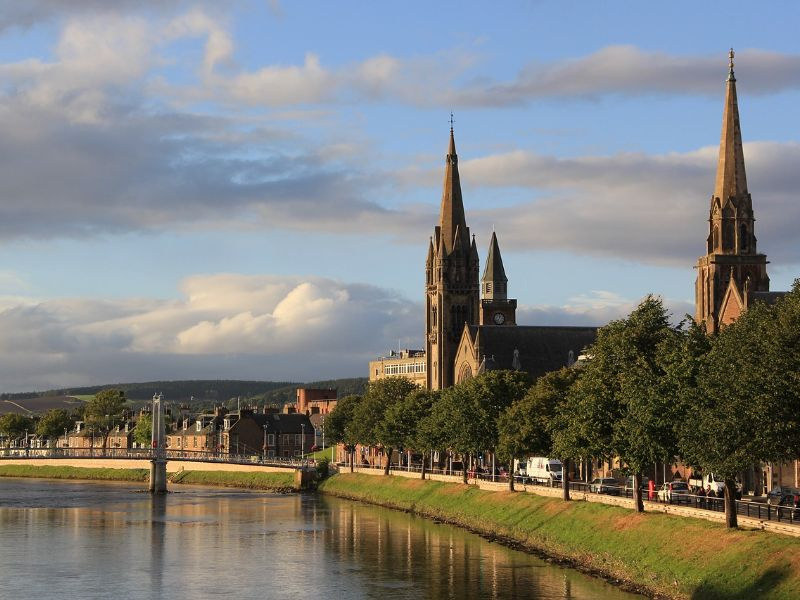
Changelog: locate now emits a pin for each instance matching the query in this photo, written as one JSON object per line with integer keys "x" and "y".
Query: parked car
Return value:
{"x": 629, "y": 483}
{"x": 776, "y": 494}
{"x": 676, "y": 492}
{"x": 605, "y": 485}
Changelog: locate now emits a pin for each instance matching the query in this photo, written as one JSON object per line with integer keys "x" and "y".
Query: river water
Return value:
{"x": 112, "y": 540}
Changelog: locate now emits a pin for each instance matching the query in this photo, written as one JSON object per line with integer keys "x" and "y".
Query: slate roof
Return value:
{"x": 541, "y": 349}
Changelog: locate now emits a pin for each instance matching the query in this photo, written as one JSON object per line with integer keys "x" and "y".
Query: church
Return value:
{"x": 733, "y": 274}
{"x": 470, "y": 322}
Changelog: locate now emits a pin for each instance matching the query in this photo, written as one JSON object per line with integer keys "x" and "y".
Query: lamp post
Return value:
{"x": 65, "y": 437}
{"x": 323, "y": 432}
{"x": 303, "y": 440}
{"x": 264, "y": 454}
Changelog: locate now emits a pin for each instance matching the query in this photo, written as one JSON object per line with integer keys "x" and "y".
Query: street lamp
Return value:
{"x": 264, "y": 454}
{"x": 303, "y": 440}
{"x": 323, "y": 432}
{"x": 65, "y": 437}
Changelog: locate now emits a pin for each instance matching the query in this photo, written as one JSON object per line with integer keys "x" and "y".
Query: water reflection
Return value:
{"x": 113, "y": 541}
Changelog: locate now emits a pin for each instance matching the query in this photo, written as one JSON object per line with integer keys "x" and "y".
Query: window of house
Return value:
{"x": 271, "y": 439}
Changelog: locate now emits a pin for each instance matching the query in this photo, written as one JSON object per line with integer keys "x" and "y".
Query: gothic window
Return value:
{"x": 433, "y": 317}
{"x": 716, "y": 237}
{"x": 728, "y": 243}
{"x": 464, "y": 373}
{"x": 743, "y": 238}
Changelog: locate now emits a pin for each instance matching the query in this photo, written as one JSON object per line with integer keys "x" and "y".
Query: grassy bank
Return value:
{"x": 276, "y": 482}
{"x": 667, "y": 555}
{"x": 65, "y": 472}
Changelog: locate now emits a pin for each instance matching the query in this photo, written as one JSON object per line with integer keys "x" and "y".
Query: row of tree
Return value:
{"x": 651, "y": 392}
{"x": 100, "y": 414}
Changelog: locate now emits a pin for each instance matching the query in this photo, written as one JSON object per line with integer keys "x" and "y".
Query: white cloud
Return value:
{"x": 256, "y": 327}
{"x": 595, "y": 308}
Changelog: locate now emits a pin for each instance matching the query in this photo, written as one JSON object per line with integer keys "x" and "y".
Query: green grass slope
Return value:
{"x": 667, "y": 555}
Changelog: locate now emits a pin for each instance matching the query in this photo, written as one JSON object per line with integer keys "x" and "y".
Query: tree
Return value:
{"x": 143, "y": 432}
{"x": 339, "y": 424}
{"x": 53, "y": 423}
{"x": 526, "y": 427}
{"x": 402, "y": 421}
{"x": 13, "y": 425}
{"x": 746, "y": 403}
{"x": 103, "y": 410}
{"x": 619, "y": 408}
{"x": 370, "y": 427}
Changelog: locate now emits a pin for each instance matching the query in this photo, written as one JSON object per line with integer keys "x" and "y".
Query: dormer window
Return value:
{"x": 227, "y": 424}
{"x": 199, "y": 426}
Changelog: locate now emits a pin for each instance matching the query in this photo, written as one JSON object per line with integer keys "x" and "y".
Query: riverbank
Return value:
{"x": 658, "y": 554}
{"x": 272, "y": 482}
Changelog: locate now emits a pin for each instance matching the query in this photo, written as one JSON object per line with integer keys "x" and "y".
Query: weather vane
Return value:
{"x": 730, "y": 60}
{"x": 451, "y": 120}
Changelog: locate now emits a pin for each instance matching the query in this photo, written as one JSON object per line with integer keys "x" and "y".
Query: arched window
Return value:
{"x": 716, "y": 237}
{"x": 743, "y": 238}
{"x": 464, "y": 373}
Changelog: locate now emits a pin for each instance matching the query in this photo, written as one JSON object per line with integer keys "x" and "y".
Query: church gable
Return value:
{"x": 732, "y": 305}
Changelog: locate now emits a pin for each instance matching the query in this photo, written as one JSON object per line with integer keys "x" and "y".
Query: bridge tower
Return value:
{"x": 158, "y": 465}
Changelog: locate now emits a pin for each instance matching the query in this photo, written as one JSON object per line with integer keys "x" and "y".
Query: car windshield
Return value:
{"x": 611, "y": 481}
{"x": 679, "y": 486}
{"x": 555, "y": 467}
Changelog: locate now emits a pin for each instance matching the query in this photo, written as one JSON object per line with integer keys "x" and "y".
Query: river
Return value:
{"x": 112, "y": 540}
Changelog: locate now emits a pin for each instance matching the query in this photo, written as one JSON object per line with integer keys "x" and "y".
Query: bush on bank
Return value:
{"x": 668, "y": 555}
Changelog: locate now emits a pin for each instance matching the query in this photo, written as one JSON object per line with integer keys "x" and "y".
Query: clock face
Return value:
{"x": 499, "y": 318}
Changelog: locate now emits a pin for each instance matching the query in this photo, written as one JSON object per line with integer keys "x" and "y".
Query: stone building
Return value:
{"x": 470, "y": 326}
{"x": 410, "y": 364}
{"x": 732, "y": 274}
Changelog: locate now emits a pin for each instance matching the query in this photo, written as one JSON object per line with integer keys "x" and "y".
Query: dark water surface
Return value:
{"x": 111, "y": 540}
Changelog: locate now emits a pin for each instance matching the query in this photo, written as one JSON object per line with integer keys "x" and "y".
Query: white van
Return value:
{"x": 544, "y": 470}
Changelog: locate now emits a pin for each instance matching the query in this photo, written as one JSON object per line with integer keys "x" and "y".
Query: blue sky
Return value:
{"x": 246, "y": 189}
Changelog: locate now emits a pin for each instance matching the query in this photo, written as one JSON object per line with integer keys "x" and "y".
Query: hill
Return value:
{"x": 196, "y": 393}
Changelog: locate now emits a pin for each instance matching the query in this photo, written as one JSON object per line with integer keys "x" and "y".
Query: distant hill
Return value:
{"x": 197, "y": 393}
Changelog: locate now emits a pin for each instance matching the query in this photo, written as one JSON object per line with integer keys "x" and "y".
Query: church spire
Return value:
{"x": 731, "y": 179}
{"x": 451, "y": 215}
{"x": 494, "y": 280}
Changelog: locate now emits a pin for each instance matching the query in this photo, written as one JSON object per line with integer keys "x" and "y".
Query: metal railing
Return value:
{"x": 149, "y": 454}
{"x": 748, "y": 508}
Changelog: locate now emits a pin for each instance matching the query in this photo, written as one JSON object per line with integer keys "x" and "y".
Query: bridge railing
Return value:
{"x": 149, "y": 454}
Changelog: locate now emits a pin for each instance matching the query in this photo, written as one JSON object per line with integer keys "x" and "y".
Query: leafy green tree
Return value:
{"x": 143, "y": 432}
{"x": 339, "y": 424}
{"x": 402, "y": 420}
{"x": 103, "y": 410}
{"x": 13, "y": 425}
{"x": 370, "y": 426}
{"x": 526, "y": 427}
{"x": 746, "y": 406}
{"x": 622, "y": 408}
{"x": 53, "y": 423}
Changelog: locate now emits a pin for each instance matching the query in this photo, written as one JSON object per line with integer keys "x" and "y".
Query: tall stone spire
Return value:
{"x": 452, "y": 293}
{"x": 451, "y": 214}
{"x": 731, "y": 179}
{"x": 494, "y": 282}
{"x": 733, "y": 269}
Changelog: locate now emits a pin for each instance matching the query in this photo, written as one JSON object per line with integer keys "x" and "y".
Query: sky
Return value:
{"x": 245, "y": 189}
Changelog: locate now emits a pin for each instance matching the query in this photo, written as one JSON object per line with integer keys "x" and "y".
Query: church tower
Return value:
{"x": 732, "y": 269}
{"x": 496, "y": 308}
{"x": 452, "y": 296}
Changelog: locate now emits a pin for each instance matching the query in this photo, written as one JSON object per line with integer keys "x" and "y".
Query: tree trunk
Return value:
{"x": 511, "y": 478}
{"x": 637, "y": 491}
{"x": 352, "y": 453}
{"x": 565, "y": 480}
{"x": 731, "y": 518}
{"x": 464, "y": 468}
{"x": 388, "y": 452}
{"x": 422, "y": 470}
